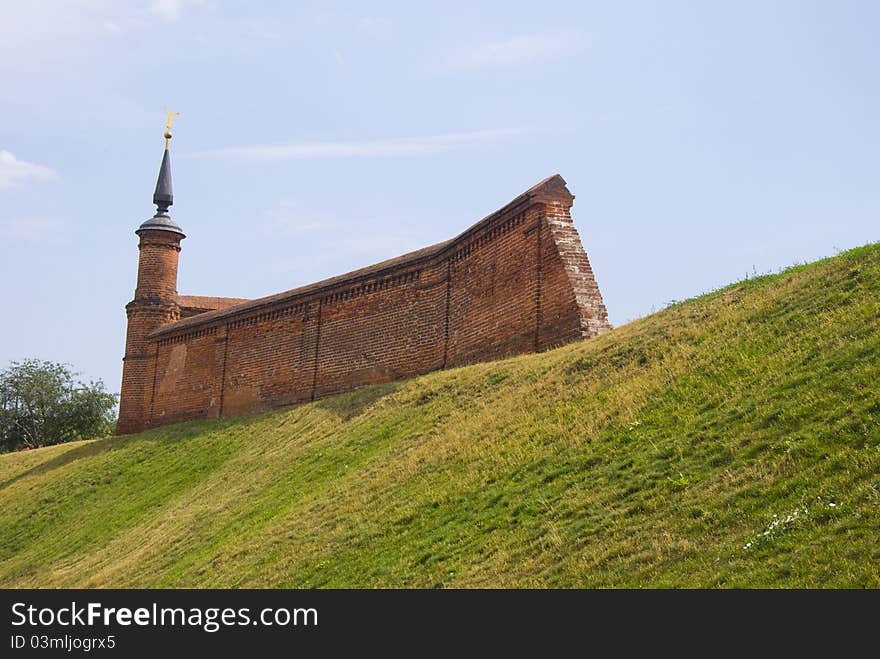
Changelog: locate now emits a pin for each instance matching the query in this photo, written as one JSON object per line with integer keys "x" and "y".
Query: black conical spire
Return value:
{"x": 163, "y": 196}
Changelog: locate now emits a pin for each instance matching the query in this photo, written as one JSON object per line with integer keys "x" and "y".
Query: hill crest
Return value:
{"x": 730, "y": 440}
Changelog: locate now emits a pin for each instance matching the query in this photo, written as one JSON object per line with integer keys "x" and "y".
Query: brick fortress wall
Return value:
{"x": 517, "y": 281}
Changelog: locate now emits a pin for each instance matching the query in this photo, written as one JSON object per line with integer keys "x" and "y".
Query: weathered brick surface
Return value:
{"x": 517, "y": 281}
{"x": 154, "y": 305}
{"x": 193, "y": 305}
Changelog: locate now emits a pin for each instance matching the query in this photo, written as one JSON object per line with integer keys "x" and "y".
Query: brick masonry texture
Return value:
{"x": 192, "y": 305}
{"x": 517, "y": 281}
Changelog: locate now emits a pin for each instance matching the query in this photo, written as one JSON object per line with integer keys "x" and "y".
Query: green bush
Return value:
{"x": 41, "y": 403}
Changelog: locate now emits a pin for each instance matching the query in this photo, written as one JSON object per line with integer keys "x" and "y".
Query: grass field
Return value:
{"x": 731, "y": 440}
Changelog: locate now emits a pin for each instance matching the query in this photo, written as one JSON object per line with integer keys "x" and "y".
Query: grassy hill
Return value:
{"x": 730, "y": 440}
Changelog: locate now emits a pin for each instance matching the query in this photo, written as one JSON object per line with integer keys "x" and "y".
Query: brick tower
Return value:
{"x": 154, "y": 303}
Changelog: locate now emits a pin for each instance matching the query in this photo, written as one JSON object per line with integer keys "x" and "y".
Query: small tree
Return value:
{"x": 42, "y": 404}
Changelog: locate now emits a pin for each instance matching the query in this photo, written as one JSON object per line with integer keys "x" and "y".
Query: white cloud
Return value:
{"x": 523, "y": 49}
{"x": 43, "y": 37}
{"x": 356, "y": 247}
{"x": 14, "y": 171}
{"x": 37, "y": 25}
{"x": 287, "y": 219}
{"x": 170, "y": 10}
{"x": 373, "y": 25}
{"x": 390, "y": 148}
{"x": 167, "y": 10}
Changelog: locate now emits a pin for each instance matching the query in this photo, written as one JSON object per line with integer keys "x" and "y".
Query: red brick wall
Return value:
{"x": 515, "y": 282}
{"x": 269, "y": 363}
{"x": 154, "y": 305}
{"x": 494, "y": 280}
{"x": 390, "y": 330}
{"x": 570, "y": 258}
{"x": 186, "y": 384}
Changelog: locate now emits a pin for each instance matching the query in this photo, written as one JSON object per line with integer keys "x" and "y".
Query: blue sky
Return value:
{"x": 703, "y": 141}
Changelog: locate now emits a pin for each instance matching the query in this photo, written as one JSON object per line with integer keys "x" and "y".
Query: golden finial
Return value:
{"x": 168, "y": 123}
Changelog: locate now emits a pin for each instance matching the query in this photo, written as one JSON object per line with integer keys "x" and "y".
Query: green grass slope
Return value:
{"x": 731, "y": 440}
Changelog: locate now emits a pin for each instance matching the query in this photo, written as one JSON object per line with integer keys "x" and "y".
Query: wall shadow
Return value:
{"x": 86, "y": 450}
{"x": 351, "y": 404}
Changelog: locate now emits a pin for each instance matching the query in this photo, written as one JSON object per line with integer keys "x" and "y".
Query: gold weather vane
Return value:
{"x": 168, "y": 123}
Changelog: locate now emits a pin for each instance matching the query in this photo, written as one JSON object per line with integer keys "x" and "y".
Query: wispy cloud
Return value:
{"x": 39, "y": 24}
{"x": 46, "y": 37}
{"x": 29, "y": 228}
{"x": 335, "y": 244}
{"x": 389, "y": 148}
{"x": 287, "y": 219}
{"x": 374, "y": 25}
{"x": 171, "y": 10}
{"x": 15, "y": 172}
{"x": 517, "y": 50}
{"x": 167, "y": 10}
